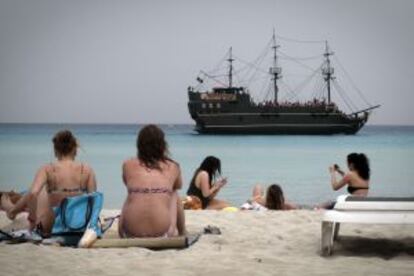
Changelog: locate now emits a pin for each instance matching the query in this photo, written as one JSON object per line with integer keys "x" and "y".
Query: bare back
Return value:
{"x": 68, "y": 178}
{"x": 357, "y": 184}
{"x": 146, "y": 211}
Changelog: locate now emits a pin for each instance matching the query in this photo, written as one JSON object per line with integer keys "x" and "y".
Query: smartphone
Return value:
{"x": 223, "y": 181}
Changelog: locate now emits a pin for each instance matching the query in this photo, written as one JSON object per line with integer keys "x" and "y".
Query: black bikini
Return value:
{"x": 193, "y": 190}
{"x": 352, "y": 190}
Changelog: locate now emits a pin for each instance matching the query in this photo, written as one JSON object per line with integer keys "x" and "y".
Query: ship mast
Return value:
{"x": 328, "y": 70}
{"x": 275, "y": 71}
{"x": 230, "y": 60}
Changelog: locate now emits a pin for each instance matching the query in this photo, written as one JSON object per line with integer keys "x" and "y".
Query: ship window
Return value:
{"x": 203, "y": 105}
{"x": 218, "y": 105}
{"x": 210, "y": 105}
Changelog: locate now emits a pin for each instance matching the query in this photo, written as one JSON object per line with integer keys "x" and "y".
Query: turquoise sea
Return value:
{"x": 298, "y": 163}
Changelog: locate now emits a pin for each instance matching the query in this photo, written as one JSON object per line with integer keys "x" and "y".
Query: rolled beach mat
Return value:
{"x": 152, "y": 243}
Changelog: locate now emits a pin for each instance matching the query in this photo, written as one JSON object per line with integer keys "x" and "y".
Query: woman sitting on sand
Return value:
{"x": 204, "y": 184}
{"x": 53, "y": 182}
{"x": 273, "y": 200}
{"x": 357, "y": 179}
{"x": 152, "y": 207}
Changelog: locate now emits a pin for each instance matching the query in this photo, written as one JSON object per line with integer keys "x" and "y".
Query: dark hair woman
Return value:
{"x": 53, "y": 182}
{"x": 152, "y": 207}
{"x": 272, "y": 200}
{"x": 357, "y": 179}
{"x": 206, "y": 183}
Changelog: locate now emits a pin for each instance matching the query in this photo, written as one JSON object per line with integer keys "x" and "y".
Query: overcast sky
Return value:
{"x": 99, "y": 61}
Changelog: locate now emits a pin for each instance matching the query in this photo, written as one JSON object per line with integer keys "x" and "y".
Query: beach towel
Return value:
{"x": 253, "y": 205}
{"x": 191, "y": 203}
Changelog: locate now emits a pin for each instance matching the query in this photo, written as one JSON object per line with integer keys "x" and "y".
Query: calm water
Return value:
{"x": 298, "y": 163}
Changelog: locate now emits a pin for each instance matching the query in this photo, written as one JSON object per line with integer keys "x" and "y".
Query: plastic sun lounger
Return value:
{"x": 368, "y": 210}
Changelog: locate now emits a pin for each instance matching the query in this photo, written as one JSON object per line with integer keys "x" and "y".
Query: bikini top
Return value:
{"x": 193, "y": 190}
{"x": 149, "y": 191}
{"x": 80, "y": 189}
{"x": 351, "y": 190}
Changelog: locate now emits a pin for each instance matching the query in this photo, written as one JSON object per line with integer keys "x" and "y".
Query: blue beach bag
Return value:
{"x": 78, "y": 213}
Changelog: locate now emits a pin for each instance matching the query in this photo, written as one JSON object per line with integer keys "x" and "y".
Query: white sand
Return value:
{"x": 252, "y": 243}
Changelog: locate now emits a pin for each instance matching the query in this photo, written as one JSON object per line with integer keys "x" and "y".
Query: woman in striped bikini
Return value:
{"x": 152, "y": 207}
{"x": 53, "y": 182}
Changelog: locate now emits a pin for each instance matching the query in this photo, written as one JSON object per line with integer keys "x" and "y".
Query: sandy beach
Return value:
{"x": 251, "y": 243}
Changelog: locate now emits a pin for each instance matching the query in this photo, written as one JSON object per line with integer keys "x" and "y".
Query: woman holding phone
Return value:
{"x": 206, "y": 184}
{"x": 357, "y": 179}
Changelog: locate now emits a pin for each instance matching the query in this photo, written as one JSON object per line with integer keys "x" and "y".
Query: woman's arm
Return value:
{"x": 258, "y": 195}
{"x": 205, "y": 185}
{"x": 217, "y": 186}
{"x": 124, "y": 172}
{"x": 37, "y": 185}
{"x": 336, "y": 185}
{"x": 178, "y": 183}
{"x": 91, "y": 181}
{"x": 341, "y": 172}
{"x": 215, "y": 189}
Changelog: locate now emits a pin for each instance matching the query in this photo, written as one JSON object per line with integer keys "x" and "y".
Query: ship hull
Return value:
{"x": 283, "y": 124}
{"x": 232, "y": 112}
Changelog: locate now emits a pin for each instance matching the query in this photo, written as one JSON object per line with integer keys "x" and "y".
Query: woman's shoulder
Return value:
{"x": 85, "y": 168}
{"x": 130, "y": 161}
{"x": 354, "y": 176}
{"x": 350, "y": 176}
{"x": 46, "y": 168}
{"x": 171, "y": 164}
{"x": 202, "y": 173}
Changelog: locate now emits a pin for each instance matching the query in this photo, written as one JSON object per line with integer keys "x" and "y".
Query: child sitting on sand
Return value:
{"x": 273, "y": 200}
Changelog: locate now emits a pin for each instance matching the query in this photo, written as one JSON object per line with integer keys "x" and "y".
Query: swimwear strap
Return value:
{"x": 150, "y": 190}
{"x": 67, "y": 190}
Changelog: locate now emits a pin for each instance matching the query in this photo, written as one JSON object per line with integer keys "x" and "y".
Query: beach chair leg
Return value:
{"x": 336, "y": 231}
{"x": 327, "y": 238}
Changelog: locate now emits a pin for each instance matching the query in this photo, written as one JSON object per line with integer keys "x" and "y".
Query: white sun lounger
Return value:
{"x": 369, "y": 210}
